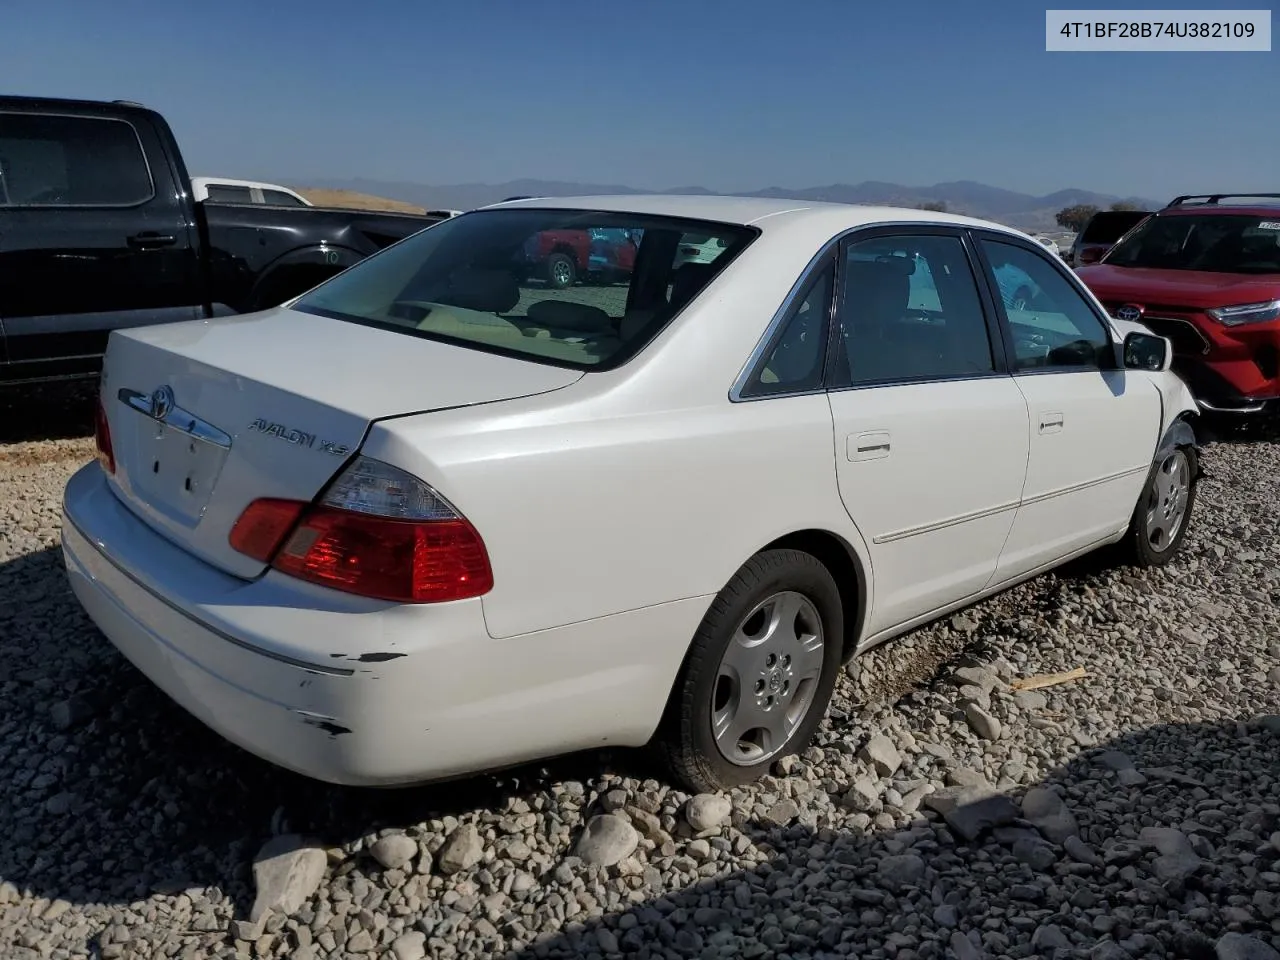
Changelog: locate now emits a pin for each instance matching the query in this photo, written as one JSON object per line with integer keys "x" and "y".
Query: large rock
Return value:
{"x": 394, "y": 850}
{"x": 607, "y": 840}
{"x": 971, "y": 816}
{"x": 883, "y": 756}
{"x": 964, "y": 949}
{"x": 1237, "y": 946}
{"x": 1050, "y": 814}
{"x": 410, "y": 946}
{"x": 1178, "y": 858}
{"x": 707, "y": 811}
{"x": 982, "y": 723}
{"x": 901, "y": 871}
{"x": 462, "y": 851}
{"x": 286, "y": 872}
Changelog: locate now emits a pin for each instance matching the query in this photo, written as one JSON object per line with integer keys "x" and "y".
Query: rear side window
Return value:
{"x": 51, "y": 161}
{"x": 228, "y": 193}
{"x": 578, "y": 288}
{"x": 909, "y": 311}
{"x": 278, "y": 198}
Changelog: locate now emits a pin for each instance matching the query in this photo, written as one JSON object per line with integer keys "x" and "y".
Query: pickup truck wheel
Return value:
{"x": 561, "y": 271}
{"x": 759, "y": 674}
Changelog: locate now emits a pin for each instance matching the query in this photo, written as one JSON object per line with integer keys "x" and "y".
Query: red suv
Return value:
{"x": 1206, "y": 275}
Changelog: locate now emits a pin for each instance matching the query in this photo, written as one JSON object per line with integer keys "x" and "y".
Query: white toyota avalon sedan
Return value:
{"x": 433, "y": 518}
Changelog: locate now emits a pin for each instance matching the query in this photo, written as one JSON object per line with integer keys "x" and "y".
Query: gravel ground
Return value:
{"x": 1134, "y": 813}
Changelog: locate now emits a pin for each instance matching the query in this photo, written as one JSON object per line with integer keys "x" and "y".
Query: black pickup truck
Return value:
{"x": 98, "y": 230}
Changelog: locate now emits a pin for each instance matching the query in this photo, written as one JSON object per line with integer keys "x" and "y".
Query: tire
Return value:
{"x": 560, "y": 271}
{"x": 792, "y": 683}
{"x": 1139, "y": 547}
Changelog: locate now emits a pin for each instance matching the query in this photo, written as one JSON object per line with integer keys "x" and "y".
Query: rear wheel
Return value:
{"x": 1163, "y": 513}
{"x": 759, "y": 675}
{"x": 561, "y": 271}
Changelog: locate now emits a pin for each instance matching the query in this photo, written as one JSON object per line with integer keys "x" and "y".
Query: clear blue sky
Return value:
{"x": 728, "y": 94}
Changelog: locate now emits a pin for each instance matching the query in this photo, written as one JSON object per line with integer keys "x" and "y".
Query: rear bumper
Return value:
{"x": 361, "y": 692}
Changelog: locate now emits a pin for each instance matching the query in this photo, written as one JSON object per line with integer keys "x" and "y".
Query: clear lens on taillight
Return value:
{"x": 1247, "y": 313}
{"x": 371, "y": 486}
{"x": 102, "y": 438}
{"x": 378, "y": 532}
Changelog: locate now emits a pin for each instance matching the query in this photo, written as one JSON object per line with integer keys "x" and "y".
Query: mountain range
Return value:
{"x": 1023, "y": 210}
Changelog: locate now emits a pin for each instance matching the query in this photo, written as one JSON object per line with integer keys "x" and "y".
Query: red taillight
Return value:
{"x": 411, "y": 561}
{"x": 378, "y": 532}
{"x": 263, "y": 525}
{"x": 102, "y": 438}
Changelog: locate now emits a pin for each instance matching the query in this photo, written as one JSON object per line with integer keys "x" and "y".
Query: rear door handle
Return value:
{"x": 868, "y": 446}
{"x": 1051, "y": 422}
{"x": 151, "y": 239}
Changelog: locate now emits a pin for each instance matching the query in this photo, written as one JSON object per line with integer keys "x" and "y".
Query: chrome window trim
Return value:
{"x": 818, "y": 262}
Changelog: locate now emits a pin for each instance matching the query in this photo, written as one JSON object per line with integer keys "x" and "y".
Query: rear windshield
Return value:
{"x": 1110, "y": 225}
{"x": 578, "y": 288}
{"x": 1216, "y": 243}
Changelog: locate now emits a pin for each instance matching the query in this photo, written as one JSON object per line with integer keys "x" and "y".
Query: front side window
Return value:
{"x": 1051, "y": 322}
{"x": 580, "y": 288}
{"x": 53, "y": 161}
{"x": 909, "y": 310}
{"x": 1216, "y": 243}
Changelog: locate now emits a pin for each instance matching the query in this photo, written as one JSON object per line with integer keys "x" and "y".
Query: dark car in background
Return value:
{"x": 1206, "y": 275}
{"x": 99, "y": 230}
{"x": 1101, "y": 233}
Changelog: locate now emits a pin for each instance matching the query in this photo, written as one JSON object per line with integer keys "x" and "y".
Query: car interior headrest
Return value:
{"x": 486, "y": 289}
{"x": 566, "y": 315}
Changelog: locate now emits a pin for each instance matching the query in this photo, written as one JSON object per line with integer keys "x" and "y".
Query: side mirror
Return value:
{"x": 1146, "y": 351}
{"x": 1091, "y": 254}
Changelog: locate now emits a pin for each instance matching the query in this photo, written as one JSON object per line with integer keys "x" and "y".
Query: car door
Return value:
{"x": 1094, "y": 425}
{"x": 92, "y": 236}
{"x": 930, "y": 430}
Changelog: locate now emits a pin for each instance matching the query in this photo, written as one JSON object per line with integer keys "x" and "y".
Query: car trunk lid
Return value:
{"x": 207, "y": 416}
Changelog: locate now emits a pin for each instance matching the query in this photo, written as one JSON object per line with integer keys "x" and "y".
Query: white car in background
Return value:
{"x": 1049, "y": 244}
{"x": 473, "y": 522}
{"x": 223, "y": 190}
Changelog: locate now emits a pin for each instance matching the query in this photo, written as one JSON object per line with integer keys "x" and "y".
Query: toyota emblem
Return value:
{"x": 1130, "y": 311}
{"x": 161, "y": 402}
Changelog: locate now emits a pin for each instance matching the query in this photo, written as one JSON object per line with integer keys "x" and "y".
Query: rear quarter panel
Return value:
{"x": 589, "y": 511}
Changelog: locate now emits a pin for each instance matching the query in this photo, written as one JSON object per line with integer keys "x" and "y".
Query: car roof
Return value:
{"x": 749, "y": 211}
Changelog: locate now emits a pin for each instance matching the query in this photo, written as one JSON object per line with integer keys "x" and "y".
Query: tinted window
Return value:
{"x": 910, "y": 310}
{"x": 1110, "y": 225}
{"x": 279, "y": 198}
{"x": 1052, "y": 323}
{"x": 483, "y": 280}
{"x": 228, "y": 193}
{"x": 71, "y": 161}
{"x": 1218, "y": 243}
{"x": 794, "y": 358}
